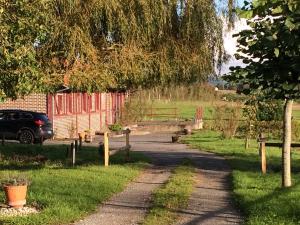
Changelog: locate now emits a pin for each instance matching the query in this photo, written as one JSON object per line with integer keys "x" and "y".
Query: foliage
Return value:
{"x": 296, "y": 130}
{"x": 226, "y": 119}
{"x": 270, "y": 49}
{"x": 263, "y": 116}
{"x": 22, "y": 29}
{"x": 135, "y": 108}
{"x": 233, "y": 97}
{"x": 256, "y": 195}
{"x": 15, "y": 179}
{"x": 194, "y": 92}
{"x": 99, "y": 45}
{"x": 116, "y": 127}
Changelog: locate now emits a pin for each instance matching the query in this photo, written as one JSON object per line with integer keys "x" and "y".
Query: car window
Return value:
{"x": 27, "y": 116}
{"x": 42, "y": 117}
{"x": 2, "y": 116}
{"x": 13, "y": 116}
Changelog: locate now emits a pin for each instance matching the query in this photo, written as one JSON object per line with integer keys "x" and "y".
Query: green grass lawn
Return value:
{"x": 186, "y": 109}
{"x": 260, "y": 197}
{"x": 65, "y": 194}
{"x": 171, "y": 197}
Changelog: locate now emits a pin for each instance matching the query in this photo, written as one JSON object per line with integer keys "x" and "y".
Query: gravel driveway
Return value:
{"x": 210, "y": 203}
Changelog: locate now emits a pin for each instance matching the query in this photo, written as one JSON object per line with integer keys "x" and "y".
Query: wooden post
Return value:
{"x": 41, "y": 140}
{"x": 262, "y": 151}
{"x": 80, "y": 142}
{"x": 67, "y": 153}
{"x": 73, "y": 153}
{"x": 106, "y": 150}
{"x": 3, "y": 139}
{"x": 76, "y": 145}
{"x": 127, "y": 137}
{"x": 127, "y": 144}
{"x": 246, "y": 142}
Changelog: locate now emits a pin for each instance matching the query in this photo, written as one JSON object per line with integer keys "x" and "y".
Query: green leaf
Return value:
{"x": 257, "y": 3}
{"x": 289, "y": 23}
{"x": 277, "y": 10}
{"x": 288, "y": 87}
{"x": 246, "y": 14}
{"x": 276, "y": 52}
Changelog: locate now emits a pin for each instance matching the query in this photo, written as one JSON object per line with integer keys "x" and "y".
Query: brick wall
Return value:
{"x": 33, "y": 102}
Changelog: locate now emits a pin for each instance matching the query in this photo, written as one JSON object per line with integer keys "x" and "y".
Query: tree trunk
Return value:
{"x": 286, "y": 148}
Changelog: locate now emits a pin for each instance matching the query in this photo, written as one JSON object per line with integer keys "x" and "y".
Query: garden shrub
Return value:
{"x": 226, "y": 120}
{"x": 115, "y": 127}
{"x": 296, "y": 130}
{"x": 135, "y": 108}
{"x": 263, "y": 117}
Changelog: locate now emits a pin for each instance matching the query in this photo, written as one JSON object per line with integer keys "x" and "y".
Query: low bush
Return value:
{"x": 115, "y": 127}
{"x": 226, "y": 119}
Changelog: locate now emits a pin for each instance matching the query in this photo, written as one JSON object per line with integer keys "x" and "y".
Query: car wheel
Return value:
{"x": 26, "y": 137}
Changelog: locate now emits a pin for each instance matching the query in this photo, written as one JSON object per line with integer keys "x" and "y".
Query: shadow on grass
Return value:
{"x": 34, "y": 157}
{"x": 282, "y": 203}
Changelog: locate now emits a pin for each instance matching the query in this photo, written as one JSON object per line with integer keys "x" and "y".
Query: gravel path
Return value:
{"x": 210, "y": 202}
{"x": 130, "y": 206}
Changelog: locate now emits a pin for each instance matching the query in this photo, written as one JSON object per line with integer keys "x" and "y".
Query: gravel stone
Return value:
{"x": 9, "y": 212}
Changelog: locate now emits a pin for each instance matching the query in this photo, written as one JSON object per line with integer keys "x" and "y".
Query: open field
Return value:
{"x": 63, "y": 193}
{"x": 260, "y": 197}
{"x": 187, "y": 109}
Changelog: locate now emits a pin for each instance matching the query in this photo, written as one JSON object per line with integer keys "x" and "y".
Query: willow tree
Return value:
{"x": 122, "y": 44}
{"x": 21, "y": 26}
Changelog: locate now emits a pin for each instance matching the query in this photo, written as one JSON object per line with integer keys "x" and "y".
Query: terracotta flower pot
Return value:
{"x": 88, "y": 138}
{"x": 16, "y": 195}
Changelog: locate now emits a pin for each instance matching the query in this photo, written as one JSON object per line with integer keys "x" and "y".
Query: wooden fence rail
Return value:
{"x": 262, "y": 150}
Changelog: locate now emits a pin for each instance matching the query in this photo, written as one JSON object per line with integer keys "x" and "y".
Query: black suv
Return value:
{"x": 26, "y": 126}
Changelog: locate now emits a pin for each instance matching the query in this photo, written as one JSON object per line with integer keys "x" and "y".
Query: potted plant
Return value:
{"x": 15, "y": 188}
{"x": 116, "y": 128}
{"x": 88, "y": 136}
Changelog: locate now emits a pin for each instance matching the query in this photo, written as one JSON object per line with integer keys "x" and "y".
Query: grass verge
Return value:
{"x": 65, "y": 194}
{"x": 171, "y": 197}
{"x": 258, "y": 196}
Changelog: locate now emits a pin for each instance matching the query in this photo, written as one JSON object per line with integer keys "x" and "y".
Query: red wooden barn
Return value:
{"x": 72, "y": 113}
